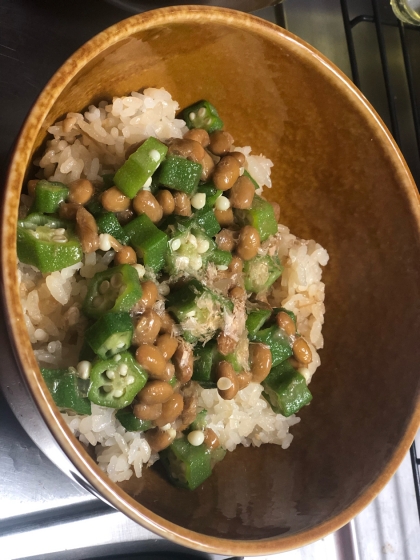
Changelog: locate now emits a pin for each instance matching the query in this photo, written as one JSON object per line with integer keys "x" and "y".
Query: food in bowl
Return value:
{"x": 172, "y": 316}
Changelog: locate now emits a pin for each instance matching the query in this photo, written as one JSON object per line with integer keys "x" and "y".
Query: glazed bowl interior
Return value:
{"x": 339, "y": 180}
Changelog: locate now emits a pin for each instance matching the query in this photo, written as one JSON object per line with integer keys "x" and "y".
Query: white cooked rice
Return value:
{"x": 89, "y": 146}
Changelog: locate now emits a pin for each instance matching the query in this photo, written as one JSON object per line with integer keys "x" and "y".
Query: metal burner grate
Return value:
{"x": 382, "y": 18}
{"x": 398, "y": 58}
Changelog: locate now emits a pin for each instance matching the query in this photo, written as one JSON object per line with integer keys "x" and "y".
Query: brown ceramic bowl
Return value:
{"x": 341, "y": 180}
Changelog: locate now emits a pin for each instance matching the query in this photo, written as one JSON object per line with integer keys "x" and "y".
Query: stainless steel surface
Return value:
{"x": 44, "y": 515}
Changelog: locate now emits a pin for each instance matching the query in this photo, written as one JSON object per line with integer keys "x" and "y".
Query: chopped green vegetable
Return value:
{"x": 149, "y": 242}
{"x": 220, "y": 258}
{"x": 95, "y": 208}
{"x": 261, "y": 272}
{"x": 199, "y": 310}
{"x": 108, "y": 223}
{"x": 278, "y": 343}
{"x": 204, "y": 364}
{"x": 200, "y": 421}
{"x": 114, "y": 289}
{"x": 206, "y": 219}
{"x": 286, "y": 389}
{"x": 190, "y": 249}
{"x": 212, "y": 194}
{"x": 115, "y": 382}
{"x": 233, "y": 360}
{"x": 260, "y": 216}
{"x": 253, "y": 181}
{"x": 256, "y": 320}
{"x": 130, "y": 422}
{"x": 49, "y": 244}
{"x": 202, "y": 115}
{"x": 140, "y": 166}
{"x": 67, "y": 389}
{"x": 111, "y": 334}
{"x": 179, "y": 174}
{"x": 187, "y": 465}
{"x": 48, "y": 196}
{"x": 86, "y": 353}
{"x": 108, "y": 181}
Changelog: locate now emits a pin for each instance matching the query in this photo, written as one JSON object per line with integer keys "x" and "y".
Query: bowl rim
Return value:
{"x": 19, "y": 339}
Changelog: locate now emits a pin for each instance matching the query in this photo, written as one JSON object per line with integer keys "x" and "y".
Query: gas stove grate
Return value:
{"x": 381, "y": 17}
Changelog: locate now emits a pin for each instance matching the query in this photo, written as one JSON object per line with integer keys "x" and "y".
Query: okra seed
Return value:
{"x": 104, "y": 242}
{"x": 110, "y": 373}
{"x": 222, "y": 267}
{"x": 175, "y": 244}
{"x": 203, "y": 246}
{"x": 196, "y": 438}
{"x": 171, "y": 433}
{"x": 117, "y": 357}
{"x": 118, "y": 393}
{"x": 141, "y": 271}
{"x": 60, "y": 231}
{"x": 120, "y": 345}
{"x": 190, "y": 314}
{"x": 83, "y": 369}
{"x": 107, "y": 388}
{"x": 198, "y": 201}
{"x": 208, "y": 121}
{"x": 201, "y": 112}
{"x": 164, "y": 289}
{"x": 60, "y": 239}
{"x": 192, "y": 116}
{"x": 130, "y": 380}
{"x": 122, "y": 369}
{"x": 116, "y": 280}
{"x": 196, "y": 262}
{"x": 222, "y": 203}
{"x": 182, "y": 262}
{"x": 192, "y": 240}
{"x": 104, "y": 287}
{"x": 154, "y": 155}
{"x": 97, "y": 301}
{"x": 166, "y": 427}
{"x": 224, "y": 384}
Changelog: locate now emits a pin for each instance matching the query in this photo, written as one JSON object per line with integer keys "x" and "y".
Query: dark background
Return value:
{"x": 36, "y": 37}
